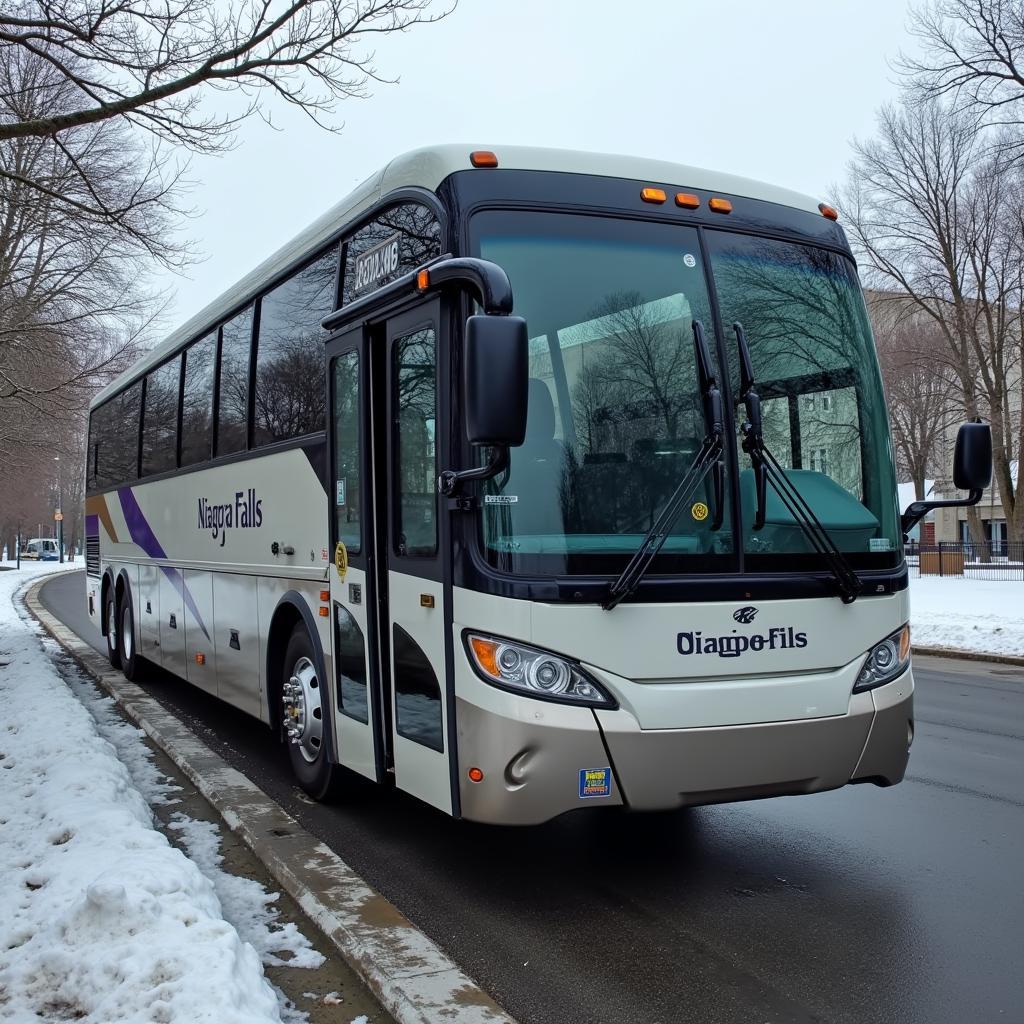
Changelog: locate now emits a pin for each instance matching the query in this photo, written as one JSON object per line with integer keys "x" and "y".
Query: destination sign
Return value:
{"x": 372, "y": 266}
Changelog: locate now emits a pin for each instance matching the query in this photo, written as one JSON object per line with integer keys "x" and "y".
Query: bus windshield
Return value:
{"x": 615, "y": 416}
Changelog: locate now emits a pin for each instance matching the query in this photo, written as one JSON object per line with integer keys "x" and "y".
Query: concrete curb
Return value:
{"x": 414, "y": 980}
{"x": 954, "y": 652}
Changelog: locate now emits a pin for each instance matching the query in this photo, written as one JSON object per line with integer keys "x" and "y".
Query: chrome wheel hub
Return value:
{"x": 302, "y": 711}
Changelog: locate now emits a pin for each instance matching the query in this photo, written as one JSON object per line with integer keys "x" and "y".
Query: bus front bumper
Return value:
{"x": 537, "y": 760}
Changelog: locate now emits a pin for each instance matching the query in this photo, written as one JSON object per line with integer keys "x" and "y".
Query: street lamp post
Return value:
{"x": 60, "y": 511}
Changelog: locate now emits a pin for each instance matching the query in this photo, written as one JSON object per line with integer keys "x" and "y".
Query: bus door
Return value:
{"x": 356, "y": 695}
{"x": 415, "y": 616}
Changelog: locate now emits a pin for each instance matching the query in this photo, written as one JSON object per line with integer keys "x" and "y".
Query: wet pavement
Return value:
{"x": 862, "y": 905}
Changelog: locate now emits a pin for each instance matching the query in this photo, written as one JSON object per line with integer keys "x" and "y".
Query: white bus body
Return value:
{"x": 743, "y": 676}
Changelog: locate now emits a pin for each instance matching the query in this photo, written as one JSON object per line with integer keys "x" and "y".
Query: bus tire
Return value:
{"x": 131, "y": 660}
{"x": 110, "y": 620}
{"x": 305, "y": 717}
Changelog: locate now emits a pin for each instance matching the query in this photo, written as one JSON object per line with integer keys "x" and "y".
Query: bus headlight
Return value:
{"x": 885, "y": 661}
{"x": 536, "y": 673}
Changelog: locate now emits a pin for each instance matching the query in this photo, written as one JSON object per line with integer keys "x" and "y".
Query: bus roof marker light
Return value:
{"x": 652, "y": 195}
{"x": 483, "y": 158}
{"x": 687, "y": 200}
{"x": 828, "y": 211}
{"x": 719, "y": 205}
{"x": 423, "y": 280}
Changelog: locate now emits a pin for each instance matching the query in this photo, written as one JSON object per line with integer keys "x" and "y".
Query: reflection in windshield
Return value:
{"x": 614, "y": 415}
{"x": 615, "y": 418}
{"x": 824, "y": 416}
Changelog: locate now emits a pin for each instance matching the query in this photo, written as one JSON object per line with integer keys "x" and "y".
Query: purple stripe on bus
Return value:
{"x": 142, "y": 534}
{"x": 92, "y": 526}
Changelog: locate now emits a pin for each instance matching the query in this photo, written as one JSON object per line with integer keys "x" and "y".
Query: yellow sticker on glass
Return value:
{"x": 341, "y": 559}
{"x": 699, "y": 511}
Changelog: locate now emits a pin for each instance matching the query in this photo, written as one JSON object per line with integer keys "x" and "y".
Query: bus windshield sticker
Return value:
{"x": 341, "y": 559}
{"x": 340, "y": 493}
{"x": 595, "y": 782}
{"x": 500, "y": 499}
{"x": 376, "y": 264}
{"x": 690, "y": 260}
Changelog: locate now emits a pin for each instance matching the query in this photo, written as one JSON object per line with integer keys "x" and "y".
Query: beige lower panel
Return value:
{"x": 888, "y": 748}
{"x": 531, "y": 765}
{"x": 660, "y": 769}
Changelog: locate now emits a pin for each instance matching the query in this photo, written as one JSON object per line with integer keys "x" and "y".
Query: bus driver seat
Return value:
{"x": 538, "y": 468}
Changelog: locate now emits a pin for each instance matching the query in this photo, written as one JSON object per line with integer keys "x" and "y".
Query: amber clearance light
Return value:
{"x": 652, "y": 195}
{"x": 828, "y": 211}
{"x": 483, "y": 158}
{"x": 719, "y": 205}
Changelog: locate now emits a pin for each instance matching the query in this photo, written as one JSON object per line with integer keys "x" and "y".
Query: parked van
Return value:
{"x": 41, "y": 549}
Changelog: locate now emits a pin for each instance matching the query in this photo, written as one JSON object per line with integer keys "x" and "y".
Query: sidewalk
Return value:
{"x": 102, "y": 919}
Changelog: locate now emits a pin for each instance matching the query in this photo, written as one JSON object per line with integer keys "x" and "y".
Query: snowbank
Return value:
{"x": 973, "y": 615}
{"x": 101, "y": 919}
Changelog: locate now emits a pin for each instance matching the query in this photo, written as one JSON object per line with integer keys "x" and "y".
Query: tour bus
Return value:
{"x": 527, "y": 480}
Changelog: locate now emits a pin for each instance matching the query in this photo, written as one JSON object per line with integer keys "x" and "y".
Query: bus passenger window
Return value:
{"x": 290, "y": 354}
{"x": 232, "y": 420}
{"x": 416, "y": 405}
{"x": 197, "y": 401}
{"x": 160, "y": 419}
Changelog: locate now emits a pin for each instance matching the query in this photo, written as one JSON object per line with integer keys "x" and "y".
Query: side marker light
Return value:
{"x": 652, "y": 195}
{"x": 483, "y": 158}
{"x": 828, "y": 211}
{"x": 475, "y": 775}
{"x": 687, "y": 200}
{"x": 719, "y": 205}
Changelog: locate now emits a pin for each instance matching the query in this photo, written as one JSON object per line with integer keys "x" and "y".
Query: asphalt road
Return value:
{"x": 863, "y": 905}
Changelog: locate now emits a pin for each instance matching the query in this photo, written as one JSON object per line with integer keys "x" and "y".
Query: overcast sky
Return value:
{"x": 768, "y": 90}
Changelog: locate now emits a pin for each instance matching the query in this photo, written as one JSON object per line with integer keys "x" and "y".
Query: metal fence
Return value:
{"x": 967, "y": 560}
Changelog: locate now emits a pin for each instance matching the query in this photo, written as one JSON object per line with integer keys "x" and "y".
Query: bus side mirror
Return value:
{"x": 972, "y": 472}
{"x": 972, "y": 458}
{"x": 496, "y": 380}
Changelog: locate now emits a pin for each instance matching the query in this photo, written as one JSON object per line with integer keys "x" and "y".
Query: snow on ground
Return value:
{"x": 102, "y": 920}
{"x": 972, "y": 615}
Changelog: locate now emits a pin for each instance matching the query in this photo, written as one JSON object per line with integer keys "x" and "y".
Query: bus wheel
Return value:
{"x": 110, "y": 618}
{"x": 305, "y": 717}
{"x": 131, "y": 660}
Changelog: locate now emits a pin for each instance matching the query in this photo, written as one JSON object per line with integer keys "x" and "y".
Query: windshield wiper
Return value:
{"x": 708, "y": 459}
{"x": 768, "y": 470}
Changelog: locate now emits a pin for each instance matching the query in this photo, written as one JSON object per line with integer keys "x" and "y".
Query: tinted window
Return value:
{"x": 90, "y": 464}
{"x": 232, "y": 418}
{"x": 118, "y": 438}
{"x": 418, "y": 237}
{"x": 197, "y": 401}
{"x": 416, "y": 401}
{"x": 290, "y": 354}
{"x": 160, "y": 419}
{"x": 347, "y": 483}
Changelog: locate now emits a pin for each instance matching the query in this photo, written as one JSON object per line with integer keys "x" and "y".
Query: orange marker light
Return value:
{"x": 200, "y": 659}
{"x": 483, "y": 158}
{"x": 325, "y": 595}
{"x": 652, "y": 195}
{"x": 423, "y": 280}
{"x": 324, "y": 612}
{"x": 687, "y": 200}
{"x": 719, "y": 205}
{"x": 475, "y": 775}
{"x": 486, "y": 652}
{"x": 828, "y": 211}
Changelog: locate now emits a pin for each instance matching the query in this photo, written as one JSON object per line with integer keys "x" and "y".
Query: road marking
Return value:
{"x": 411, "y": 976}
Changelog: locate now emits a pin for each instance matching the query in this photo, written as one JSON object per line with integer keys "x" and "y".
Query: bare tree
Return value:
{"x": 159, "y": 66}
{"x": 925, "y": 205}
{"x": 922, "y": 398}
{"x": 972, "y": 51}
